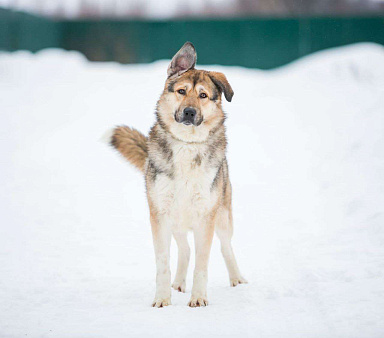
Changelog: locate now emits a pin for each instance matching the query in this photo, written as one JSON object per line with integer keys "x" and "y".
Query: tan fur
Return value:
{"x": 132, "y": 145}
{"x": 186, "y": 174}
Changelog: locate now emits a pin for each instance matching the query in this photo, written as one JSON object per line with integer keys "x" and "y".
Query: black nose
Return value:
{"x": 189, "y": 115}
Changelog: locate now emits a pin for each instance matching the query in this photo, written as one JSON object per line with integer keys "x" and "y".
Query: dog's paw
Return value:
{"x": 238, "y": 280}
{"x": 179, "y": 286}
{"x": 198, "y": 301}
{"x": 161, "y": 302}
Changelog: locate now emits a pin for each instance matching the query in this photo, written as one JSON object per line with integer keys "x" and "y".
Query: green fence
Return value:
{"x": 23, "y": 31}
{"x": 257, "y": 42}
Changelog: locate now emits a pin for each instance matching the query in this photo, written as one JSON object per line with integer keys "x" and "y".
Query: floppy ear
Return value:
{"x": 184, "y": 60}
{"x": 222, "y": 83}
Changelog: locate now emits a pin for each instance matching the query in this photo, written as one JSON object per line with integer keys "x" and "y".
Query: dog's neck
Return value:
{"x": 215, "y": 134}
{"x": 214, "y": 147}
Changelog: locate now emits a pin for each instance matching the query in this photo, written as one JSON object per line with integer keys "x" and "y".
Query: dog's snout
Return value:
{"x": 190, "y": 112}
{"x": 189, "y": 116}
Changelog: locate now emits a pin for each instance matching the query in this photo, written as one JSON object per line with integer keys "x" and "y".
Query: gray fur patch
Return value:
{"x": 196, "y": 161}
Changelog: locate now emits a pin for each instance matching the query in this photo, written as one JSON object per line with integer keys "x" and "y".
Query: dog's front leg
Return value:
{"x": 203, "y": 241}
{"x": 183, "y": 260}
{"x": 161, "y": 234}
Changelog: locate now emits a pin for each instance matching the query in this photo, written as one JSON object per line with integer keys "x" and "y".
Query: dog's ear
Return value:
{"x": 184, "y": 60}
{"x": 222, "y": 83}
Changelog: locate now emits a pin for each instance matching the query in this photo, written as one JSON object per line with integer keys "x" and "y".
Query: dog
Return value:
{"x": 186, "y": 175}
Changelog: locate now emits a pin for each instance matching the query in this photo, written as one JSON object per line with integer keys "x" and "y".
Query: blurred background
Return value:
{"x": 252, "y": 33}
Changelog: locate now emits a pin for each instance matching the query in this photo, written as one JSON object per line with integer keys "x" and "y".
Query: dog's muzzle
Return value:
{"x": 189, "y": 117}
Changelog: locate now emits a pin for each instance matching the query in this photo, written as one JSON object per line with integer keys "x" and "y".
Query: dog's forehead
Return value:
{"x": 193, "y": 77}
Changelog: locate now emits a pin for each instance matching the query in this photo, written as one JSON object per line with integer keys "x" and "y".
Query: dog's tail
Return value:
{"x": 131, "y": 144}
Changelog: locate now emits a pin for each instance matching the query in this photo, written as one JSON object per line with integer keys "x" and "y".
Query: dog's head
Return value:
{"x": 190, "y": 105}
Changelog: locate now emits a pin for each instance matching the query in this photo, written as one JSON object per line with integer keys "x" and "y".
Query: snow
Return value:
{"x": 306, "y": 157}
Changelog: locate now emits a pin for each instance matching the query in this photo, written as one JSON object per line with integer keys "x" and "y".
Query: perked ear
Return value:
{"x": 222, "y": 83}
{"x": 185, "y": 59}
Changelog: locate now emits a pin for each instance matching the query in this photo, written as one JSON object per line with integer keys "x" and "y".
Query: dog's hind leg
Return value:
{"x": 182, "y": 261}
{"x": 224, "y": 230}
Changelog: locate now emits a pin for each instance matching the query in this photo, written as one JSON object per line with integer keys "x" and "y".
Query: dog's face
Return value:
{"x": 190, "y": 106}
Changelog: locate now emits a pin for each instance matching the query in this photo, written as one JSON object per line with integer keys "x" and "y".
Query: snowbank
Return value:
{"x": 76, "y": 256}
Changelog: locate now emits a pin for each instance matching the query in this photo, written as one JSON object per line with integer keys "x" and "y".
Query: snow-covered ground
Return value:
{"x": 306, "y": 156}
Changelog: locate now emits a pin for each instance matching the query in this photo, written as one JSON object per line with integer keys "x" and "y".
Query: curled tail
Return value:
{"x": 131, "y": 144}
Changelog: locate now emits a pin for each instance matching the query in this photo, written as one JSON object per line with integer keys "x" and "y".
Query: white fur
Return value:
{"x": 106, "y": 138}
{"x": 184, "y": 203}
{"x": 187, "y": 197}
{"x": 184, "y": 253}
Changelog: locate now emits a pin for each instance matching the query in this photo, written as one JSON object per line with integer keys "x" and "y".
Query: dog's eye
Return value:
{"x": 203, "y": 95}
{"x": 181, "y": 91}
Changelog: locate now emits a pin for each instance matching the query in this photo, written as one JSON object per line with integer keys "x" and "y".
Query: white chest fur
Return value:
{"x": 187, "y": 198}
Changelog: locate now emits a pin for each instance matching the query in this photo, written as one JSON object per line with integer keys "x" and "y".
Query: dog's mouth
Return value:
{"x": 187, "y": 123}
